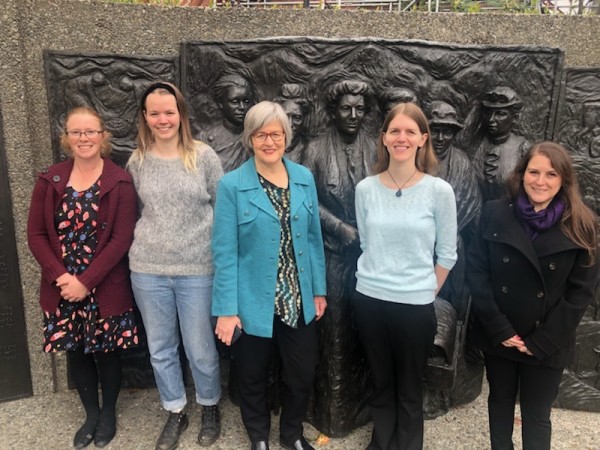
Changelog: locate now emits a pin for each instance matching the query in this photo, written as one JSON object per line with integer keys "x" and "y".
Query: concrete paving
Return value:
{"x": 49, "y": 422}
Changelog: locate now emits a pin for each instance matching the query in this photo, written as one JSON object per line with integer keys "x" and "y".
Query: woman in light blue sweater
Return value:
{"x": 407, "y": 226}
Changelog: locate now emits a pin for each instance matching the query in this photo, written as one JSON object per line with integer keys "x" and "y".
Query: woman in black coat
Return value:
{"x": 533, "y": 271}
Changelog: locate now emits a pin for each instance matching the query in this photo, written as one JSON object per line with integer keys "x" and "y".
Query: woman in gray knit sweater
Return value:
{"x": 170, "y": 259}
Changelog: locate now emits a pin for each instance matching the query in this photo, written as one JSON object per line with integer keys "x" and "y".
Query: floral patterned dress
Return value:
{"x": 76, "y": 324}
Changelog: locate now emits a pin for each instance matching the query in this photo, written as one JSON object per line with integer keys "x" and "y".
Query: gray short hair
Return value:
{"x": 262, "y": 114}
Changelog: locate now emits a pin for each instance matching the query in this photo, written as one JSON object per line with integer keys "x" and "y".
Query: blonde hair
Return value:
{"x": 425, "y": 160}
{"x": 105, "y": 147}
{"x": 145, "y": 138}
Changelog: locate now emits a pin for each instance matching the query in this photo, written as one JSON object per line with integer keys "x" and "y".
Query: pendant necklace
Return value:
{"x": 399, "y": 191}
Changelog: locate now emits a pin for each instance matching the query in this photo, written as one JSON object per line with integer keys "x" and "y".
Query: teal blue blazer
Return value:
{"x": 245, "y": 247}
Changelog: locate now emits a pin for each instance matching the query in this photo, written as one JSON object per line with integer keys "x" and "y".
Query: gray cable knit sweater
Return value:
{"x": 172, "y": 235}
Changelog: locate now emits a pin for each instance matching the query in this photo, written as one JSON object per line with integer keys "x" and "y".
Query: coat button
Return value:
{"x": 301, "y": 269}
{"x": 103, "y": 226}
{"x": 552, "y": 266}
{"x": 298, "y": 235}
{"x": 56, "y": 178}
{"x": 246, "y": 213}
{"x": 296, "y": 217}
{"x": 495, "y": 235}
{"x": 505, "y": 259}
{"x": 504, "y": 289}
{"x": 537, "y": 323}
{"x": 540, "y": 295}
{"x": 301, "y": 253}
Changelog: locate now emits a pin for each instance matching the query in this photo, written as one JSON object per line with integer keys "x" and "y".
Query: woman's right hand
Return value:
{"x": 225, "y": 328}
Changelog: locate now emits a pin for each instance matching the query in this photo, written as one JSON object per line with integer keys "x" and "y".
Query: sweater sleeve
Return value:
{"x": 213, "y": 171}
{"x": 361, "y": 213}
{"x": 445, "y": 226}
{"x": 38, "y": 237}
{"x": 225, "y": 252}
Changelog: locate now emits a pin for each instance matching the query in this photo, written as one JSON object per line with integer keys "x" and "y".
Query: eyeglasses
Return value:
{"x": 276, "y": 136}
{"x": 87, "y": 134}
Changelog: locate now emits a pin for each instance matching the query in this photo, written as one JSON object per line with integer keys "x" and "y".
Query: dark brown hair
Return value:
{"x": 578, "y": 222}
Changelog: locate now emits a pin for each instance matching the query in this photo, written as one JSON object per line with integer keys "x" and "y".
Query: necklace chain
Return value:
{"x": 399, "y": 191}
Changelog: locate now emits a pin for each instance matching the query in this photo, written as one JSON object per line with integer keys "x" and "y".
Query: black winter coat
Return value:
{"x": 537, "y": 290}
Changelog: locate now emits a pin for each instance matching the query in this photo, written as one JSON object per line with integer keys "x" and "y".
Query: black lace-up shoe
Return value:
{"x": 176, "y": 424}
{"x": 211, "y": 425}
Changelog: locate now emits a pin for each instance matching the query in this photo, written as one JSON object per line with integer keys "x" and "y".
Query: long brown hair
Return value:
{"x": 145, "y": 138}
{"x": 105, "y": 147}
{"x": 425, "y": 160}
{"x": 578, "y": 222}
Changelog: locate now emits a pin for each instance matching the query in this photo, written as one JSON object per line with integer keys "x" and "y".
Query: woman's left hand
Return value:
{"x": 320, "y": 306}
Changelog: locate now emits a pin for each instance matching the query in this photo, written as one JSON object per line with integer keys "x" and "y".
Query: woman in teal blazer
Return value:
{"x": 269, "y": 275}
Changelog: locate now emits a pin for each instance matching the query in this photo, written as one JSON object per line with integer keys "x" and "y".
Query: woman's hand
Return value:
{"x": 320, "y": 306}
{"x": 71, "y": 289}
{"x": 517, "y": 343}
{"x": 225, "y": 328}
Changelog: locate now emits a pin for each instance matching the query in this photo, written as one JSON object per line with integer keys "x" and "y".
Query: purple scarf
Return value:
{"x": 537, "y": 222}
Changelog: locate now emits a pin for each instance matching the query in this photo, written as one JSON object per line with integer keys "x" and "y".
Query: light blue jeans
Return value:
{"x": 170, "y": 304}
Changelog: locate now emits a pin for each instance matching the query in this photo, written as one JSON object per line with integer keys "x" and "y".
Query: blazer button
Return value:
{"x": 537, "y": 323}
{"x": 301, "y": 269}
{"x": 56, "y": 178}
{"x": 296, "y": 217}
{"x": 103, "y": 226}
{"x": 504, "y": 289}
{"x": 301, "y": 253}
{"x": 246, "y": 213}
{"x": 552, "y": 266}
{"x": 540, "y": 295}
{"x": 505, "y": 259}
{"x": 495, "y": 235}
{"x": 298, "y": 235}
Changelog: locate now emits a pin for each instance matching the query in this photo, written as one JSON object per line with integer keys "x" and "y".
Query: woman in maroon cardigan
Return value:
{"x": 80, "y": 227}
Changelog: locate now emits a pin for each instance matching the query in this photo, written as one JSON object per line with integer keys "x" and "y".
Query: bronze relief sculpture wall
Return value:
{"x": 578, "y": 128}
{"x": 483, "y": 102}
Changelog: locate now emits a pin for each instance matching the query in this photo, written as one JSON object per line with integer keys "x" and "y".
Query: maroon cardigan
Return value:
{"x": 108, "y": 271}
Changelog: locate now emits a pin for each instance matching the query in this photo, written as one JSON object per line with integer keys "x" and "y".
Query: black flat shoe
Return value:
{"x": 260, "y": 445}
{"x": 298, "y": 444}
{"x": 105, "y": 432}
{"x": 84, "y": 436}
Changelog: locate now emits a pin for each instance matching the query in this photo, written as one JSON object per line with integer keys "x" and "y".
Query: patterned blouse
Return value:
{"x": 287, "y": 291}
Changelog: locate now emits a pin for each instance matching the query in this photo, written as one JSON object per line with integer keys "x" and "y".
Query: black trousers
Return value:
{"x": 537, "y": 387}
{"x": 298, "y": 352}
{"x": 397, "y": 339}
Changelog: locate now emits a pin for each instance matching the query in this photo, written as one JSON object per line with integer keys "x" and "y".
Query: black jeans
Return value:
{"x": 298, "y": 351}
{"x": 537, "y": 387}
{"x": 397, "y": 338}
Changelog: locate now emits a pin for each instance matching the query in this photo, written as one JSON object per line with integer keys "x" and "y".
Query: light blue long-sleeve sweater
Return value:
{"x": 403, "y": 237}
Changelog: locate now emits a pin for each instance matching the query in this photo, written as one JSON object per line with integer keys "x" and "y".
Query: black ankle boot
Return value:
{"x": 211, "y": 425}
